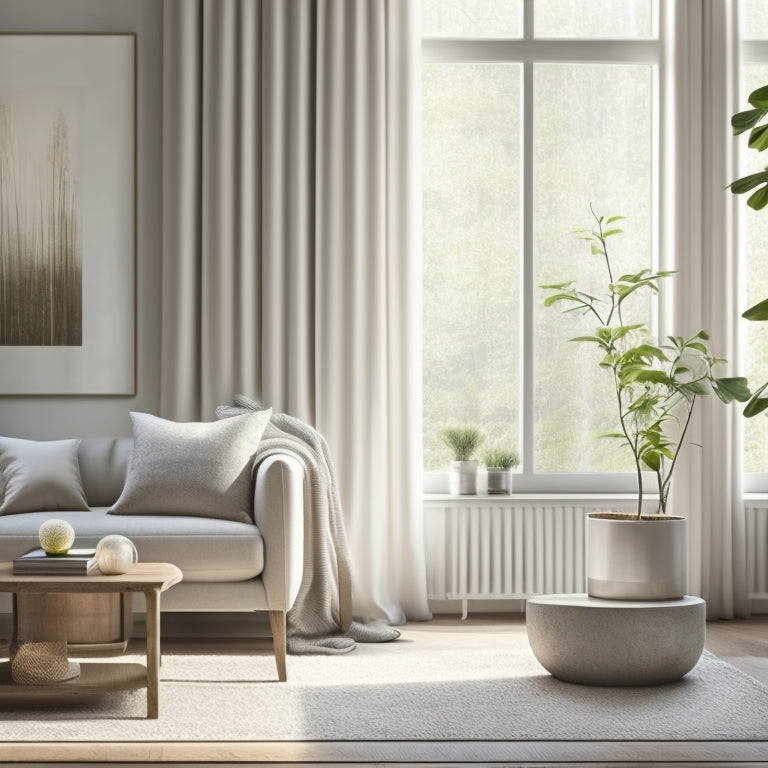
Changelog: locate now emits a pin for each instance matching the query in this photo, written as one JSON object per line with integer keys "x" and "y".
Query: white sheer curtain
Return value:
{"x": 291, "y": 248}
{"x": 710, "y": 485}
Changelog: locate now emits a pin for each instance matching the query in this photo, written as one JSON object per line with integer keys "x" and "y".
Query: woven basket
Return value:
{"x": 41, "y": 662}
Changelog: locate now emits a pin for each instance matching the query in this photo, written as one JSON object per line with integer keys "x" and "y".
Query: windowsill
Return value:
{"x": 527, "y": 496}
{"x": 600, "y": 498}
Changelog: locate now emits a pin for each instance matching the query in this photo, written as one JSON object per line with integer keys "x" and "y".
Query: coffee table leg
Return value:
{"x": 153, "y": 652}
{"x": 15, "y": 628}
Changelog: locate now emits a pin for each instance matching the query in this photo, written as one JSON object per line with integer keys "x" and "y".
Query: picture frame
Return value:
{"x": 67, "y": 214}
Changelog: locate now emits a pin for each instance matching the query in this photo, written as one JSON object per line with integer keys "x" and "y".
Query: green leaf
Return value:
{"x": 652, "y": 459}
{"x": 758, "y": 139}
{"x": 593, "y": 339}
{"x": 732, "y": 388}
{"x": 611, "y": 219}
{"x": 649, "y": 376}
{"x": 759, "y": 199}
{"x": 746, "y": 183}
{"x": 758, "y": 312}
{"x": 557, "y": 286}
{"x": 694, "y": 387}
{"x": 550, "y": 300}
{"x": 743, "y": 121}
{"x": 622, "y": 330}
{"x": 757, "y": 404}
{"x": 648, "y": 350}
{"x": 759, "y": 97}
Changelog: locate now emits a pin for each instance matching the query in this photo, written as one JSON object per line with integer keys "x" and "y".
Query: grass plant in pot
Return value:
{"x": 499, "y": 463}
{"x": 463, "y": 442}
{"x": 641, "y": 556}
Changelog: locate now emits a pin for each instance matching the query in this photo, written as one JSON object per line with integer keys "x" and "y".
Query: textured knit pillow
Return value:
{"x": 203, "y": 469}
{"x": 40, "y": 475}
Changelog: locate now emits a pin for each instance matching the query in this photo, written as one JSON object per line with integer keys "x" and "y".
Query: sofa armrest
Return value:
{"x": 279, "y": 514}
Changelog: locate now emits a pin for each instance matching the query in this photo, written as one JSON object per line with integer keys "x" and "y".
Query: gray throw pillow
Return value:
{"x": 40, "y": 475}
{"x": 203, "y": 469}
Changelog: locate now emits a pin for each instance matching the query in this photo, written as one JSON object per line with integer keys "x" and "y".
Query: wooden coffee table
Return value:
{"x": 97, "y": 678}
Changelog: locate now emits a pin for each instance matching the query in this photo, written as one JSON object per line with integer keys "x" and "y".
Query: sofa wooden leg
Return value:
{"x": 277, "y": 623}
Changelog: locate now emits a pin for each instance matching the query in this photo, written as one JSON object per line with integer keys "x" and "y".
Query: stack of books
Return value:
{"x": 37, "y": 562}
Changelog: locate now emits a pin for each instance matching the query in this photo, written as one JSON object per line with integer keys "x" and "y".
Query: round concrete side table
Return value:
{"x": 592, "y": 641}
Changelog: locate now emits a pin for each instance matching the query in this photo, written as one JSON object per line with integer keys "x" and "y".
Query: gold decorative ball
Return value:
{"x": 56, "y": 536}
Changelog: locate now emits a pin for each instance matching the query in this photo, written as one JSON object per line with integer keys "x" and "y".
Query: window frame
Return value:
{"x": 527, "y": 51}
{"x": 751, "y": 51}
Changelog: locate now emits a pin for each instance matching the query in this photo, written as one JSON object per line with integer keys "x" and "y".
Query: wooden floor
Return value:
{"x": 743, "y": 643}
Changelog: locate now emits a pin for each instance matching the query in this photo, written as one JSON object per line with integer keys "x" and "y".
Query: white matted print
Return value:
{"x": 67, "y": 214}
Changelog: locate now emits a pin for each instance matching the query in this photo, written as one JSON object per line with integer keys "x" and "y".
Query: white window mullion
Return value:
{"x": 530, "y": 293}
{"x": 528, "y": 19}
{"x": 625, "y": 51}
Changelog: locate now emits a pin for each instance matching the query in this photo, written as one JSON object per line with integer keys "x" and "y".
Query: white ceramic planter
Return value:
{"x": 631, "y": 559}
{"x": 462, "y": 478}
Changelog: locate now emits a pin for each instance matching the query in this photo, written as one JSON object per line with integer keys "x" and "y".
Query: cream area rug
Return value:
{"x": 406, "y": 690}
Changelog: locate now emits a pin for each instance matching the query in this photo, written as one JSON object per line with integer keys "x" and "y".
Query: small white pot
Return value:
{"x": 462, "y": 478}
{"x": 631, "y": 559}
{"x": 499, "y": 480}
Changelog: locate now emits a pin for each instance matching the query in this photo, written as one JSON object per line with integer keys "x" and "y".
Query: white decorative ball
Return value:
{"x": 116, "y": 554}
{"x": 56, "y": 536}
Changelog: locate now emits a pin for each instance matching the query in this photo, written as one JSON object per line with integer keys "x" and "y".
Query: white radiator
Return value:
{"x": 757, "y": 551}
{"x": 487, "y": 549}
{"x": 484, "y": 549}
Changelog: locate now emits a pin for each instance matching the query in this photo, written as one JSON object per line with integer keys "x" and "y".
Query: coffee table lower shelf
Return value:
{"x": 149, "y": 578}
{"x": 96, "y": 679}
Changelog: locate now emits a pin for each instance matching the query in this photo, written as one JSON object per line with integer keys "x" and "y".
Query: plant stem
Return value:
{"x": 598, "y": 233}
{"x": 665, "y": 486}
{"x": 632, "y": 443}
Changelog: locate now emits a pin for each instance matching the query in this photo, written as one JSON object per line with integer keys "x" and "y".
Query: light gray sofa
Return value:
{"x": 227, "y": 565}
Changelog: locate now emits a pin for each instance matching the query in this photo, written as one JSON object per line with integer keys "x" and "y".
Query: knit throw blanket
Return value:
{"x": 321, "y": 619}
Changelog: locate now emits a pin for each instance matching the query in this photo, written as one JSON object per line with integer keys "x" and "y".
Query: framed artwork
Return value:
{"x": 67, "y": 214}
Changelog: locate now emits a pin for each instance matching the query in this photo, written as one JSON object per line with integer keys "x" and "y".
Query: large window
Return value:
{"x": 532, "y": 113}
{"x": 754, "y": 24}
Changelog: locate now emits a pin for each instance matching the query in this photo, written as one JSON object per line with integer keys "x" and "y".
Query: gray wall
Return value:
{"x": 56, "y": 417}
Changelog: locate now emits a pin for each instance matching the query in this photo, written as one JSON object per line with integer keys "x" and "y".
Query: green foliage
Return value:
{"x": 463, "y": 441}
{"x": 656, "y": 385}
{"x": 501, "y": 458}
{"x": 750, "y": 120}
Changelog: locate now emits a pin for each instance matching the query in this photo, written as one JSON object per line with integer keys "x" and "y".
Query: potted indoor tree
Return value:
{"x": 499, "y": 463}
{"x": 656, "y": 387}
{"x": 463, "y": 441}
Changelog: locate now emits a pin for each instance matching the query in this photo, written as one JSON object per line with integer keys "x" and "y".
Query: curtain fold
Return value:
{"x": 724, "y": 573}
{"x": 710, "y": 484}
{"x": 291, "y": 248}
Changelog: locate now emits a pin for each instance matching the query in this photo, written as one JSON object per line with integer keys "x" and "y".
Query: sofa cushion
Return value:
{"x": 103, "y": 466}
{"x": 39, "y": 475}
{"x": 205, "y": 549}
{"x": 192, "y": 468}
